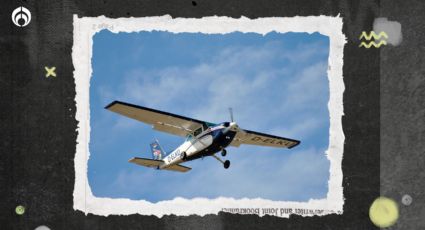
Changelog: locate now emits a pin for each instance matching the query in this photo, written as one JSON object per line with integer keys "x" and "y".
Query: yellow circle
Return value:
{"x": 20, "y": 209}
{"x": 383, "y": 212}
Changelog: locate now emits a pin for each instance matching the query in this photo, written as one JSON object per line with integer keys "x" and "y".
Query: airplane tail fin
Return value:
{"x": 157, "y": 152}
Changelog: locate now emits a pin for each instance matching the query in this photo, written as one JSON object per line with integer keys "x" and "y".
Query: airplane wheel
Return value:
{"x": 223, "y": 152}
{"x": 226, "y": 164}
{"x": 183, "y": 155}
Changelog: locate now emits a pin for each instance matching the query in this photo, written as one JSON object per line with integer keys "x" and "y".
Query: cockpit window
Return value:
{"x": 197, "y": 132}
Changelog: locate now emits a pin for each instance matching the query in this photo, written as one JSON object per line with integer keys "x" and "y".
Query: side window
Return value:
{"x": 189, "y": 137}
{"x": 205, "y": 126}
{"x": 197, "y": 132}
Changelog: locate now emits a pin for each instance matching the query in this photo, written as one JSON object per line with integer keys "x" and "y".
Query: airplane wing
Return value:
{"x": 155, "y": 163}
{"x": 255, "y": 138}
{"x": 161, "y": 121}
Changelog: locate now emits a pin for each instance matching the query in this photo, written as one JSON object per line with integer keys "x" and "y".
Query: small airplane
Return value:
{"x": 202, "y": 138}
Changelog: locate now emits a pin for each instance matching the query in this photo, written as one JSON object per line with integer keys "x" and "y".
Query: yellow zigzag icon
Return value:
{"x": 372, "y": 43}
{"x": 372, "y": 34}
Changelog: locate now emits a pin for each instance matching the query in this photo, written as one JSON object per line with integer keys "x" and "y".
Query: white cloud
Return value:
{"x": 301, "y": 130}
{"x": 308, "y": 87}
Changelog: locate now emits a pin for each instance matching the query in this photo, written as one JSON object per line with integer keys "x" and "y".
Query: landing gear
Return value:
{"x": 223, "y": 152}
{"x": 226, "y": 163}
{"x": 183, "y": 156}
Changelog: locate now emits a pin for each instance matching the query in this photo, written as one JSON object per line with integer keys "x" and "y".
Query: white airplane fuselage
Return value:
{"x": 207, "y": 143}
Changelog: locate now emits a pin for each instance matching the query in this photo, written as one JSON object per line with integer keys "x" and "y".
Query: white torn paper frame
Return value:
{"x": 84, "y": 30}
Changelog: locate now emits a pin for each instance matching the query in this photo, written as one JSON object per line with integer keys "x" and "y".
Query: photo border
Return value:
{"x": 84, "y": 30}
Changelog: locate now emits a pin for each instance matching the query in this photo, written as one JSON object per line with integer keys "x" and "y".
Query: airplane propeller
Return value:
{"x": 233, "y": 123}
{"x": 231, "y": 114}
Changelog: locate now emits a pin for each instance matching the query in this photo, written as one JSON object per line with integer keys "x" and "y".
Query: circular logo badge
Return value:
{"x": 21, "y": 16}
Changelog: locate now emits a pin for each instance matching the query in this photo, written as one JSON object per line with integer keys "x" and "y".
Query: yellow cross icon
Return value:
{"x": 50, "y": 71}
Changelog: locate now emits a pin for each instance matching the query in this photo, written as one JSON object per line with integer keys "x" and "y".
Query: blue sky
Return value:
{"x": 275, "y": 84}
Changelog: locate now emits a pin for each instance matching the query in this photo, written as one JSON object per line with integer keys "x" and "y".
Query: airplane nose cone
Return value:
{"x": 233, "y": 125}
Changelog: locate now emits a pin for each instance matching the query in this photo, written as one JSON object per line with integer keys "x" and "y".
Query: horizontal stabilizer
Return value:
{"x": 146, "y": 162}
{"x": 157, "y": 163}
{"x": 178, "y": 168}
